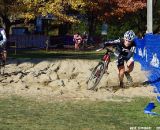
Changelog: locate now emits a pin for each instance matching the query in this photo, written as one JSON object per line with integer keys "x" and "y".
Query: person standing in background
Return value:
{"x": 77, "y": 39}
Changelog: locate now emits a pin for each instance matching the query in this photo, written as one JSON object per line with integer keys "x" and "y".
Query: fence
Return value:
{"x": 28, "y": 41}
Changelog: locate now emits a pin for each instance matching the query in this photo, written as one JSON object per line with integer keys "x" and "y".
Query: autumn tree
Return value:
{"x": 156, "y": 18}
{"x": 7, "y": 12}
{"x": 14, "y": 11}
{"x": 111, "y": 11}
{"x": 95, "y": 11}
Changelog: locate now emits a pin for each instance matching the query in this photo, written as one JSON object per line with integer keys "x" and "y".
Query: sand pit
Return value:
{"x": 66, "y": 79}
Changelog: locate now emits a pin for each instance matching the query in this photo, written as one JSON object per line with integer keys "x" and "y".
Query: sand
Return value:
{"x": 53, "y": 79}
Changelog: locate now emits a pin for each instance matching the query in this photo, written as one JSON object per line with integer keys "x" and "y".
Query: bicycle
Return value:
{"x": 99, "y": 70}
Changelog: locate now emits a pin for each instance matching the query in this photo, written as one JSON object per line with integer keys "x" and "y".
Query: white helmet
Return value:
{"x": 129, "y": 35}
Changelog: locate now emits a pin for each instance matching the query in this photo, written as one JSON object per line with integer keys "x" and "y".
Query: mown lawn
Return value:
{"x": 59, "y": 54}
{"x": 17, "y": 113}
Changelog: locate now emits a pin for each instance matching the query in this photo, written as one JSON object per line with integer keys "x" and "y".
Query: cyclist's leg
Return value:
{"x": 130, "y": 65}
{"x": 121, "y": 70}
{"x": 129, "y": 68}
{"x": 4, "y": 55}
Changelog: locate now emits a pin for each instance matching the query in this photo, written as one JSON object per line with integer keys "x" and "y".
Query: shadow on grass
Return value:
{"x": 57, "y": 54}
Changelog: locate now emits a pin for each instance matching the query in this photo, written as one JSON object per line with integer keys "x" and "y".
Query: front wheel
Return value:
{"x": 96, "y": 75}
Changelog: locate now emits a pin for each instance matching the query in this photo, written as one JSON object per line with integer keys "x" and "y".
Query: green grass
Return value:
{"x": 59, "y": 54}
{"x": 22, "y": 114}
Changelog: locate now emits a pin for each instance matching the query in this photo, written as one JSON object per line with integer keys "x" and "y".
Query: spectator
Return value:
{"x": 77, "y": 40}
{"x": 85, "y": 39}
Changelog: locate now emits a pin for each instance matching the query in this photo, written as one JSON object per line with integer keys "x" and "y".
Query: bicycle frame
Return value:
{"x": 106, "y": 57}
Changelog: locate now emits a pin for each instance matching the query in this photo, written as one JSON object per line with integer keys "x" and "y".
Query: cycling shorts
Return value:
{"x": 120, "y": 62}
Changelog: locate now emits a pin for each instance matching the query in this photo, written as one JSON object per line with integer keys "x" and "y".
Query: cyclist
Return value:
{"x": 124, "y": 51}
{"x": 3, "y": 40}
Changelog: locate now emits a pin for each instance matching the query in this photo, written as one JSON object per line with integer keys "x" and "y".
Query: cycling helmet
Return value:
{"x": 129, "y": 35}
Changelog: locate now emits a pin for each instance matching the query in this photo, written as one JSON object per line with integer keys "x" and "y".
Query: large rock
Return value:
{"x": 43, "y": 78}
{"x": 30, "y": 78}
{"x": 53, "y": 76}
{"x": 56, "y": 83}
{"x": 26, "y": 65}
{"x": 17, "y": 77}
{"x": 42, "y": 66}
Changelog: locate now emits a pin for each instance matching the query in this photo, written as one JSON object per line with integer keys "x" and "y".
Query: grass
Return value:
{"x": 17, "y": 113}
{"x": 59, "y": 54}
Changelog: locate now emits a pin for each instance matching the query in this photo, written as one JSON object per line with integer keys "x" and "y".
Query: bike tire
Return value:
{"x": 95, "y": 78}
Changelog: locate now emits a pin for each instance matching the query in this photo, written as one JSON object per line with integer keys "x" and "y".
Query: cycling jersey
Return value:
{"x": 122, "y": 52}
{"x": 3, "y": 38}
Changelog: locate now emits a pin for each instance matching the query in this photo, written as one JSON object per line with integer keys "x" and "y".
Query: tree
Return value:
{"x": 20, "y": 11}
{"x": 7, "y": 8}
{"x": 58, "y": 8}
{"x": 111, "y": 11}
{"x": 67, "y": 10}
{"x": 156, "y": 18}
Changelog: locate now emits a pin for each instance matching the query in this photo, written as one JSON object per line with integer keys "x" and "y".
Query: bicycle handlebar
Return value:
{"x": 108, "y": 50}
{"x": 99, "y": 49}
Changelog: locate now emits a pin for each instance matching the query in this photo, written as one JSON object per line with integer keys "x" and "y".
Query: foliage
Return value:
{"x": 93, "y": 12}
{"x": 58, "y": 8}
{"x": 64, "y": 9}
{"x": 156, "y": 18}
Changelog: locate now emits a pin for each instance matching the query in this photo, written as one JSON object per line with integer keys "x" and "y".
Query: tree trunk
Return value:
{"x": 91, "y": 24}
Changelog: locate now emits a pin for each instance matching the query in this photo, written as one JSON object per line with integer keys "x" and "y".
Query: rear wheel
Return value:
{"x": 96, "y": 75}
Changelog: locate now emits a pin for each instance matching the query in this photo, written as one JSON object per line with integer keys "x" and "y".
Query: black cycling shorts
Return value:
{"x": 120, "y": 62}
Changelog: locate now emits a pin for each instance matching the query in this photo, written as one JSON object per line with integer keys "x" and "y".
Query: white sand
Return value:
{"x": 66, "y": 79}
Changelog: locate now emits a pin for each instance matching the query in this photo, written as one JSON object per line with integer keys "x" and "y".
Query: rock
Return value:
{"x": 7, "y": 80}
{"x": 26, "y": 65}
{"x": 12, "y": 69}
{"x": 41, "y": 66}
{"x": 53, "y": 76}
{"x": 56, "y": 83}
{"x": 43, "y": 78}
{"x": 54, "y": 67}
{"x": 30, "y": 78}
{"x": 17, "y": 77}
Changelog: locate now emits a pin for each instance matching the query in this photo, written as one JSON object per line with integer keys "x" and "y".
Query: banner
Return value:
{"x": 148, "y": 55}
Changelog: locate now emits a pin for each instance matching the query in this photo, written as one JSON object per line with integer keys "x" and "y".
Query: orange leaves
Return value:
{"x": 100, "y": 8}
{"x": 122, "y": 7}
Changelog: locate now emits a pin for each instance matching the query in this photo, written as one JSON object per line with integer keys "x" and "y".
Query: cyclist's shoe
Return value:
{"x": 121, "y": 85}
{"x": 128, "y": 76}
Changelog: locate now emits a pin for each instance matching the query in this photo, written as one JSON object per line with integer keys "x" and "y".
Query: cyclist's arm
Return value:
{"x": 112, "y": 43}
{"x": 4, "y": 36}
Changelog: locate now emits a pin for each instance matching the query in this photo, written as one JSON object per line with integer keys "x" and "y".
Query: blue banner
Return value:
{"x": 148, "y": 54}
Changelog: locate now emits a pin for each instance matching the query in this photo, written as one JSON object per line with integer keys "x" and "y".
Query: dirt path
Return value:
{"x": 66, "y": 79}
